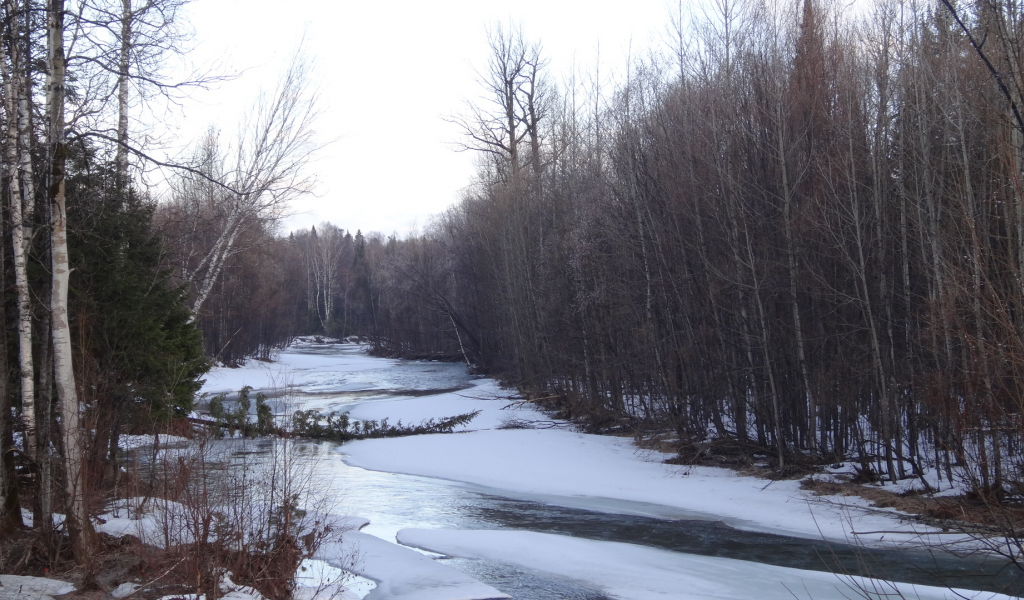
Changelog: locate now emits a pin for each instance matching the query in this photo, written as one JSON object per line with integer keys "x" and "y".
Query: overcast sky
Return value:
{"x": 389, "y": 72}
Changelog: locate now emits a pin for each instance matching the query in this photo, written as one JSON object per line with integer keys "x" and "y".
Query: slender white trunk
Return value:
{"x": 79, "y": 527}
{"x": 20, "y": 241}
{"x": 217, "y": 257}
{"x": 121, "y": 155}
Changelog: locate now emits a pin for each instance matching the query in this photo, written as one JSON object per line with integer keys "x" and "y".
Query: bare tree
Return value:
{"x": 322, "y": 254}
{"x": 253, "y": 181}
{"x": 515, "y": 103}
{"x": 15, "y": 58}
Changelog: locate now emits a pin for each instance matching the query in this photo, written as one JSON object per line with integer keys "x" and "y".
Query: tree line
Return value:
{"x": 97, "y": 337}
{"x": 800, "y": 229}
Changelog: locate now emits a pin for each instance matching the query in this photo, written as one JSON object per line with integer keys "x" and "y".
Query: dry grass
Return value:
{"x": 967, "y": 514}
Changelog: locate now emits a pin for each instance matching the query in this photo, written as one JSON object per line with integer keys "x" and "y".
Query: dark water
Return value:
{"x": 712, "y": 538}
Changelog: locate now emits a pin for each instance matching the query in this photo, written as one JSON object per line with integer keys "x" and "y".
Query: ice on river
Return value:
{"x": 636, "y": 572}
{"x": 578, "y": 466}
{"x": 324, "y": 369}
{"x": 401, "y": 573}
{"x": 496, "y": 407}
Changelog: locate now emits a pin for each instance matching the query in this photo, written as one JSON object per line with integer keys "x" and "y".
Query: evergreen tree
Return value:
{"x": 138, "y": 356}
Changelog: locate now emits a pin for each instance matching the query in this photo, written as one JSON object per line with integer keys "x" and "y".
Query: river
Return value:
{"x": 393, "y": 501}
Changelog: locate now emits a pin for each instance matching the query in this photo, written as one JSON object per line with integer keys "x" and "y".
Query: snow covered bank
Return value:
{"x": 165, "y": 523}
{"x": 642, "y": 573}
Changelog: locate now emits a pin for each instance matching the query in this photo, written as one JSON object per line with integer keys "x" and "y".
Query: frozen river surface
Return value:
{"x": 555, "y": 514}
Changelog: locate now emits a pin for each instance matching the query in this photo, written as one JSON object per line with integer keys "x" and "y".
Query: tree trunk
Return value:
{"x": 20, "y": 230}
{"x": 10, "y": 503}
{"x": 79, "y": 527}
{"x": 121, "y": 152}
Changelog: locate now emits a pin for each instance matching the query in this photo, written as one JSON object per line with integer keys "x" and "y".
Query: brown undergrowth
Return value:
{"x": 221, "y": 509}
{"x": 974, "y": 514}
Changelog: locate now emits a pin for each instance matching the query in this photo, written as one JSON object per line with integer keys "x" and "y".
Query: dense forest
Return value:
{"x": 803, "y": 229}
{"x": 799, "y": 230}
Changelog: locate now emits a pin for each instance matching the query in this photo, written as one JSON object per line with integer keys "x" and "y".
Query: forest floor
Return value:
{"x": 121, "y": 567}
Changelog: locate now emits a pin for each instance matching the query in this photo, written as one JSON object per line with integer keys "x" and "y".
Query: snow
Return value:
{"x": 635, "y": 572}
{"x": 29, "y": 520}
{"x": 14, "y": 587}
{"x": 317, "y": 579}
{"x": 553, "y": 462}
{"x": 318, "y": 368}
{"x": 131, "y": 442}
{"x": 125, "y": 589}
{"x": 154, "y": 521}
{"x": 160, "y": 522}
{"x": 326, "y": 592}
{"x": 294, "y": 367}
{"x": 401, "y": 573}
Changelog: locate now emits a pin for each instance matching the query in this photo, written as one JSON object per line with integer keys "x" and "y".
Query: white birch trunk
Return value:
{"x": 20, "y": 241}
{"x": 221, "y": 251}
{"x": 121, "y": 154}
{"x": 79, "y": 527}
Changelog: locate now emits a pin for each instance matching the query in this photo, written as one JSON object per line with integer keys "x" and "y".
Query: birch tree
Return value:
{"x": 322, "y": 254}
{"x": 18, "y": 158}
{"x": 79, "y": 526}
{"x": 147, "y": 31}
{"x": 253, "y": 181}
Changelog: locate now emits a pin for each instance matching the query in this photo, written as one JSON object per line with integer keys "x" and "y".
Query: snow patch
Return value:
{"x": 18, "y": 587}
{"x": 125, "y": 589}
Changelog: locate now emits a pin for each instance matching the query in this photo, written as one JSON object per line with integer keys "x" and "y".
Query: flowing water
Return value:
{"x": 394, "y": 501}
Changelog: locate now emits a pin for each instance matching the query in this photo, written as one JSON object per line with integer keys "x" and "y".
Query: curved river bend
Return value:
{"x": 396, "y": 501}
